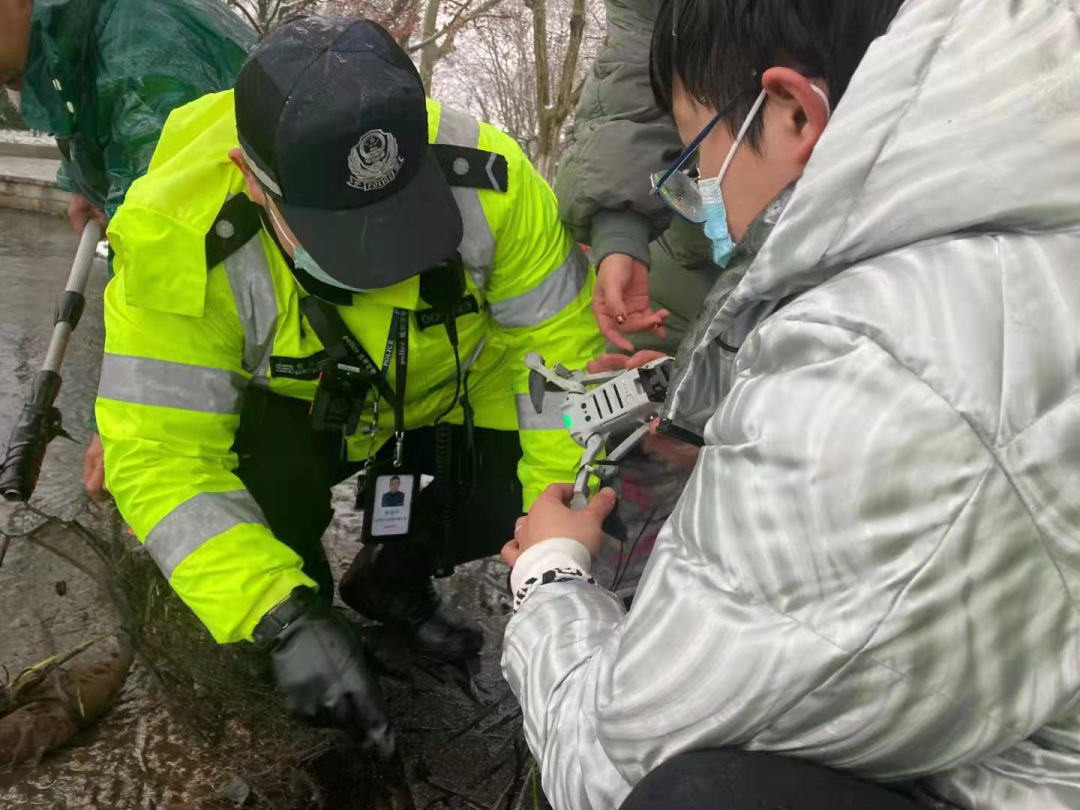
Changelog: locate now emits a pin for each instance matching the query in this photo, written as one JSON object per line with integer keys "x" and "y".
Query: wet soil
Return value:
{"x": 196, "y": 725}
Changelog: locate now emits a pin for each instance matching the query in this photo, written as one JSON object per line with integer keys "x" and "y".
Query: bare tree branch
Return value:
{"x": 540, "y": 53}
{"x": 430, "y": 52}
{"x": 570, "y": 60}
{"x": 576, "y": 95}
{"x": 553, "y": 112}
{"x": 266, "y": 15}
{"x": 247, "y": 14}
{"x": 478, "y": 55}
{"x": 457, "y": 22}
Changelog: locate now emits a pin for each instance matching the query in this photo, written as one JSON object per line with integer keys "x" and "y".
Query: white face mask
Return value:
{"x": 304, "y": 260}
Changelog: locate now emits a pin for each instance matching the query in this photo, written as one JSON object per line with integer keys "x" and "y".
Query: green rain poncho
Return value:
{"x": 103, "y": 75}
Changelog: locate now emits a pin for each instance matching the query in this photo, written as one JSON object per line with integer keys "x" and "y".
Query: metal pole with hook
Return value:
{"x": 40, "y": 421}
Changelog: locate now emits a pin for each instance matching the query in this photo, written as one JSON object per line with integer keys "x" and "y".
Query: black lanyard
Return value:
{"x": 340, "y": 344}
{"x": 398, "y": 336}
{"x": 343, "y": 347}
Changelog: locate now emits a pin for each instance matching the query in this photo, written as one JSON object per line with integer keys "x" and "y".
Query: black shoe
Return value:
{"x": 387, "y": 584}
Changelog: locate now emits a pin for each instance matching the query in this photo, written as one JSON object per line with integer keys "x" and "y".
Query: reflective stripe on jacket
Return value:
{"x": 184, "y": 341}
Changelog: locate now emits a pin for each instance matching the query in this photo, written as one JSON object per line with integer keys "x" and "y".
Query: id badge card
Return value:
{"x": 390, "y": 506}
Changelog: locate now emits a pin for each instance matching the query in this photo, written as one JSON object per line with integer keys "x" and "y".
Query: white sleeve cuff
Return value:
{"x": 556, "y": 554}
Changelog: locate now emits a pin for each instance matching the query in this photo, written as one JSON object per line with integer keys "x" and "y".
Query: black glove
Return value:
{"x": 320, "y": 667}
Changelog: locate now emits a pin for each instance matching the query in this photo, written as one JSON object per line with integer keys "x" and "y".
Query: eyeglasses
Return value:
{"x": 676, "y": 187}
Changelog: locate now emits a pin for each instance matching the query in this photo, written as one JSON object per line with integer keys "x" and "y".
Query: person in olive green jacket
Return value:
{"x": 654, "y": 272}
{"x": 621, "y": 137}
{"x": 102, "y": 76}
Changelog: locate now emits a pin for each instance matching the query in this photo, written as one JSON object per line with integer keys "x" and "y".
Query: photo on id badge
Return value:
{"x": 393, "y": 504}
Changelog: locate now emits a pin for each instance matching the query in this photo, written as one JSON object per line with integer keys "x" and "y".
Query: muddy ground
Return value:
{"x": 197, "y": 726}
{"x": 166, "y": 744}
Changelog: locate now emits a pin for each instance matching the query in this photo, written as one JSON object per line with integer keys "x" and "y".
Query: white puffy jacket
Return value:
{"x": 876, "y": 564}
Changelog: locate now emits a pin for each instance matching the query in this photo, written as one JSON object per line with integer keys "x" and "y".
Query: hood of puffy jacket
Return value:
{"x": 961, "y": 119}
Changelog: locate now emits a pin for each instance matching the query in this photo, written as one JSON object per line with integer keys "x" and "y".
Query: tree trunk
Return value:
{"x": 547, "y": 145}
{"x": 552, "y": 113}
{"x": 429, "y": 54}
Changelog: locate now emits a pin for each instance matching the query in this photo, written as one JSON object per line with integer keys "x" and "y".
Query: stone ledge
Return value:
{"x": 30, "y": 195}
{"x": 29, "y": 184}
{"x": 41, "y": 151}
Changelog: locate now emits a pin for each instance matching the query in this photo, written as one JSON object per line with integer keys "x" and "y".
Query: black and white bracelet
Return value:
{"x": 554, "y": 575}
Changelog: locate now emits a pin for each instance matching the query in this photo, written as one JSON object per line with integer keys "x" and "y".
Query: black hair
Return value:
{"x": 395, "y": 478}
{"x": 719, "y": 49}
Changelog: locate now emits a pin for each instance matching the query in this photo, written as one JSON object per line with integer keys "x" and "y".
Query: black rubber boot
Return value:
{"x": 391, "y": 583}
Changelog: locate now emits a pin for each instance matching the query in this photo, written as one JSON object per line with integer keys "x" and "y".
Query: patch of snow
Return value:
{"x": 26, "y": 136}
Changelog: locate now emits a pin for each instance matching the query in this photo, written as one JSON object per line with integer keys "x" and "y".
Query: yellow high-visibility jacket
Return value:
{"x": 184, "y": 340}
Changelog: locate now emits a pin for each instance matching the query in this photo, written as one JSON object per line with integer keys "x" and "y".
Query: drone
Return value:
{"x": 601, "y": 405}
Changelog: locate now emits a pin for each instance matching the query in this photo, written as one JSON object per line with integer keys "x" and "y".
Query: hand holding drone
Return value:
{"x": 600, "y": 405}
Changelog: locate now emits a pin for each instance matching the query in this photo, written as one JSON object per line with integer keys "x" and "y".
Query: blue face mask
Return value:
{"x": 305, "y": 261}
{"x": 713, "y": 208}
{"x": 714, "y": 211}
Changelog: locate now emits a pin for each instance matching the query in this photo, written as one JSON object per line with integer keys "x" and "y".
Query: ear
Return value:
{"x": 254, "y": 188}
{"x": 805, "y": 112}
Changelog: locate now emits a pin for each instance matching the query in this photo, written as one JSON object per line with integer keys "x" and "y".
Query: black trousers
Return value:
{"x": 289, "y": 469}
{"x": 733, "y": 779}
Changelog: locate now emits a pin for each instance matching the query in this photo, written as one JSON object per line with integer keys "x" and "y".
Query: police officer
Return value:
{"x": 324, "y": 273}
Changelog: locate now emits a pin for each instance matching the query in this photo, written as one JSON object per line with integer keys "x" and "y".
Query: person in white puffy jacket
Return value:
{"x": 874, "y": 569}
